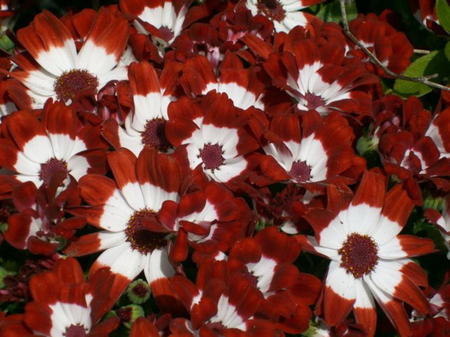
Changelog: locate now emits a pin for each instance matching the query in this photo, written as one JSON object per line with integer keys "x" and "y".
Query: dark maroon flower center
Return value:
{"x": 211, "y": 156}
{"x": 74, "y": 81}
{"x": 359, "y": 254}
{"x": 154, "y": 134}
{"x": 300, "y": 171}
{"x": 75, "y": 331}
{"x": 313, "y": 101}
{"x": 144, "y": 231}
{"x": 51, "y": 169}
{"x": 167, "y": 33}
{"x": 272, "y": 9}
{"x": 125, "y": 314}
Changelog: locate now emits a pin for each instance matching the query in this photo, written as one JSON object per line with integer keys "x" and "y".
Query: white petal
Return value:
{"x": 158, "y": 266}
{"x": 122, "y": 259}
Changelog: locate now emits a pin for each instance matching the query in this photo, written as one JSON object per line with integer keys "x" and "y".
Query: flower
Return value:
{"x": 285, "y": 14}
{"x": 145, "y": 124}
{"x": 136, "y": 214}
{"x": 368, "y": 258}
{"x": 47, "y": 151}
{"x": 64, "y": 304}
{"x": 211, "y": 137}
{"x": 56, "y": 68}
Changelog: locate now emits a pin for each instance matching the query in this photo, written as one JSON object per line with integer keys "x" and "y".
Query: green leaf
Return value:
{"x": 331, "y": 12}
{"x": 435, "y": 62}
{"x": 447, "y": 50}
{"x": 443, "y": 14}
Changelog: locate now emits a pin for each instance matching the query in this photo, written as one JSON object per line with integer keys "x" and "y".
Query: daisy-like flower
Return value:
{"x": 285, "y": 14}
{"x": 211, "y": 136}
{"x": 306, "y": 149}
{"x": 221, "y": 302}
{"x": 56, "y": 68}
{"x": 267, "y": 259}
{"x": 136, "y": 214}
{"x": 391, "y": 47}
{"x": 243, "y": 86}
{"x": 47, "y": 151}
{"x": 64, "y": 304}
{"x": 163, "y": 19}
{"x": 316, "y": 77}
{"x": 40, "y": 226}
{"x": 368, "y": 258}
{"x": 145, "y": 124}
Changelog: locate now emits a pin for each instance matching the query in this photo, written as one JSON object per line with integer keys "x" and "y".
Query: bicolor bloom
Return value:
{"x": 48, "y": 151}
{"x": 163, "y": 19}
{"x": 64, "y": 304}
{"x": 285, "y": 14}
{"x": 391, "y": 47}
{"x": 221, "y": 301}
{"x": 211, "y": 136}
{"x": 40, "y": 225}
{"x": 316, "y": 77}
{"x": 136, "y": 215}
{"x": 268, "y": 259}
{"x": 145, "y": 124}
{"x": 243, "y": 86}
{"x": 369, "y": 260}
{"x": 55, "y": 67}
{"x": 307, "y": 149}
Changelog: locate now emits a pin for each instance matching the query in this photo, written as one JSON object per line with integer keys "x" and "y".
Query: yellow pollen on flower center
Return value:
{"x": 272, "y": 9}
{"x": 359, "y": 254}
{"x": 72, "y": 82}
{"x": 144, "y": 231}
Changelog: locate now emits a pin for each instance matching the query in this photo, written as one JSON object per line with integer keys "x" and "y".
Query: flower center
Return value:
{"x": 144, "y": 231}
{"x": 75, "y": 331}
{"x": 154, "y": 134}
{"x": 272, "y": 9}
{"x": 313, "y": 101}
{"x": 51, "y": 168}
{"x": 300, "y": 171}
{"x": 211, "y": 156}
{"x": 359, "y": 254}
{"x": 72, "y": 82}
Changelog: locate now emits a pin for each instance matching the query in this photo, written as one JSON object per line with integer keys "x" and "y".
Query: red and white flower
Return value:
{"x": 145, "y": 124}
{"x": 368, "y": 258}
{"x": 55, "y": 67}
{"x": 306, "y": 149}
{"x": 163, "y": 19}
{"x": 243, "y": 86}
{"x": 136, "y": 215}
{"x": 317, "y": 77}
{"x": 211, "y": 136}
{"x": 285, "y": 14}
{"x": 64, "y": 304}
{"x": 50, "y": 150}
{"x": 221, "y": 301}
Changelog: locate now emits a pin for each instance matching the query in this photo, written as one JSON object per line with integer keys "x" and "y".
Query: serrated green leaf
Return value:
{"x": 331, "y": 12}
{"x": 443, "y": 14}
{"x": 435, "y": 62}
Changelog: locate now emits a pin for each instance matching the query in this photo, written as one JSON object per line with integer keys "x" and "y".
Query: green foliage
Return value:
{"x": 434, "y": 63}
{"x": 443, "y": 13}
{"x": 331, "y": 12}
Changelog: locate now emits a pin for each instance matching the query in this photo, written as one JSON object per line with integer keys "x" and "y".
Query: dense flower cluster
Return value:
{"x": 219, "y": 168}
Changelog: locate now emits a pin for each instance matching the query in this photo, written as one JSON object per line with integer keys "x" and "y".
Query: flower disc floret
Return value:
{"x": 211, "y": 156}
{"x": 50, "y": 168}
{"x": 359, "y": 254}
{"x": 154, "y": 134}
{"x": 272, "y": 9}
{"x": 75, "y": 331}
{"x": 300, "y": 171}
{"x": 140, "y": 234}
{"x": 74, "y": 81}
